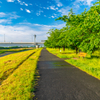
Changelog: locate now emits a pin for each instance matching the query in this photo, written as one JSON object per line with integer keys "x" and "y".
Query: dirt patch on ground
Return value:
{"x": 75, "y": 58}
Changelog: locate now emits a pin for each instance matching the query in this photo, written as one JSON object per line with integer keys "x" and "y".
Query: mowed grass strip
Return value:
{"x": 10, "y": 62}
{"x": 2, "y": 51}
{"x": 89, "y": 64}
{"x": 68, "y": 53}
{"x": 14, "y": 50}
{"x": 20, "y": 84}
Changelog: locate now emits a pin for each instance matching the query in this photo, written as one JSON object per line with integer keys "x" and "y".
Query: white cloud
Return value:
{"x": 24, "y": 32}
{"x": 3, "y": 21}
{"x": 19, "y": 1}
{"x": 16, "y": 33}
{"x": 21, "y": 9}
{"x": 7, "y": 17}
{"x": 52, "y": 8}
{"x": 47, "y": 27}
{"x": 52, "y": 16}
{"x": 75, "y": 6}
{"x": 28, "y": 11}
{"x": 19, "y": 33}
{"x": 45, "y": 16}
{"x": 39, "y": 12}
{"x": 55, "y": 15}
{"x": 26, "y": 4}
{"x": 64, "y": 11}
{"x": 12, "y": 15}
{"x": 85, "y": 2}
{"x": 56, "y": 8}
{"x": 44, "y": 7}
{"x": 10, "y": 0}
{"x": 23, "y": 3}
{"x": 47, "y": 7}
{"x": 30, "y": 4}
{"x": 2, "y": 14}
{"x": 59, "y": 4}
{"x": 0, "y": 2}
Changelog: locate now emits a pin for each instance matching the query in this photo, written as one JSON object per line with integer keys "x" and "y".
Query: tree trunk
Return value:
{"x": 63, "y": 48}
{"x": 76, "y": 50}
{"x": 59, "y": 47}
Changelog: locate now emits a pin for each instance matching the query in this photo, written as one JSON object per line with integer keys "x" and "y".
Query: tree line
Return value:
{"x": 82, "y": 31}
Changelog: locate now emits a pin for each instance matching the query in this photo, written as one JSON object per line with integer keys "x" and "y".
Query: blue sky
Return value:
{"x": 21, "y": 19}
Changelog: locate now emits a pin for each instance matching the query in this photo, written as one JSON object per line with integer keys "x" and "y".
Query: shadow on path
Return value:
{"x": 61, "y": 81}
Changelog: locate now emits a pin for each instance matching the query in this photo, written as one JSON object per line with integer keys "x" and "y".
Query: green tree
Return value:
{"x": 91, "y": 28}
{"x": 53, "y": 38}
{"x": 62, "y": 38}
{"x": 74, "y": 37}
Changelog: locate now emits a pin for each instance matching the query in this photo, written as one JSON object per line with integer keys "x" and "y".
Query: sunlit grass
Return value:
{"x": 14, "y": 50}
{"x": 89, "y": 64}
{"x": 20, "y": 84}
{"x": 68, "y": 53}
{"x": 10, "y": 62}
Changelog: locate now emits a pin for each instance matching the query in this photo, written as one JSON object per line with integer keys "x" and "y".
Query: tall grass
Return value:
{"x": 20, "y": 84}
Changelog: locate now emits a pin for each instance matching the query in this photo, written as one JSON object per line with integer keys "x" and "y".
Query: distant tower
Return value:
{"x": 34, "y": 38}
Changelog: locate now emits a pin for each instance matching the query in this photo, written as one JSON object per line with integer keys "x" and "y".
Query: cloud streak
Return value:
{"x": 10, "y": 0}
{"x": 23, "y": 3}
{"x": 24, "y": 32}
{"x": 7, "y": 17}
{"x": 59, "y": 4}
{"x": 86, "y": 2}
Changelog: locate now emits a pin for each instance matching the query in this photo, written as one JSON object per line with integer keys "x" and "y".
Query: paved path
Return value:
{"x": 62, "y": 81}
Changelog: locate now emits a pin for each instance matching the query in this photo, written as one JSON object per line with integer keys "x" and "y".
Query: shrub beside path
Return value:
{"x": 61, "y": 81}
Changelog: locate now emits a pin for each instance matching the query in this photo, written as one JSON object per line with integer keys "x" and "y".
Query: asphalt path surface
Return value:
{"x": 61, "y": 81}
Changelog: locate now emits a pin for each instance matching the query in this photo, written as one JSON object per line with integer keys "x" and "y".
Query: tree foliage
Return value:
{"x": 82, "y": 31}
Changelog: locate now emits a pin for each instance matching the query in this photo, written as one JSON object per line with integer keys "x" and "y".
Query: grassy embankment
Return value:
{"x": 89, "y": 64}
{"x": 19, "y": 83}
{"x": 13, "y": 49}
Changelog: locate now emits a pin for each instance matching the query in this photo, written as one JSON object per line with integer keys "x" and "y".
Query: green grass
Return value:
{"x": 2, "y": 51}
{"x": 89, "y": 64}
{"x": 68, "y": 53}
{"x": 10, "y": 62}
{"x": 14, "y": 50}
{"x": 20, "y": 84}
